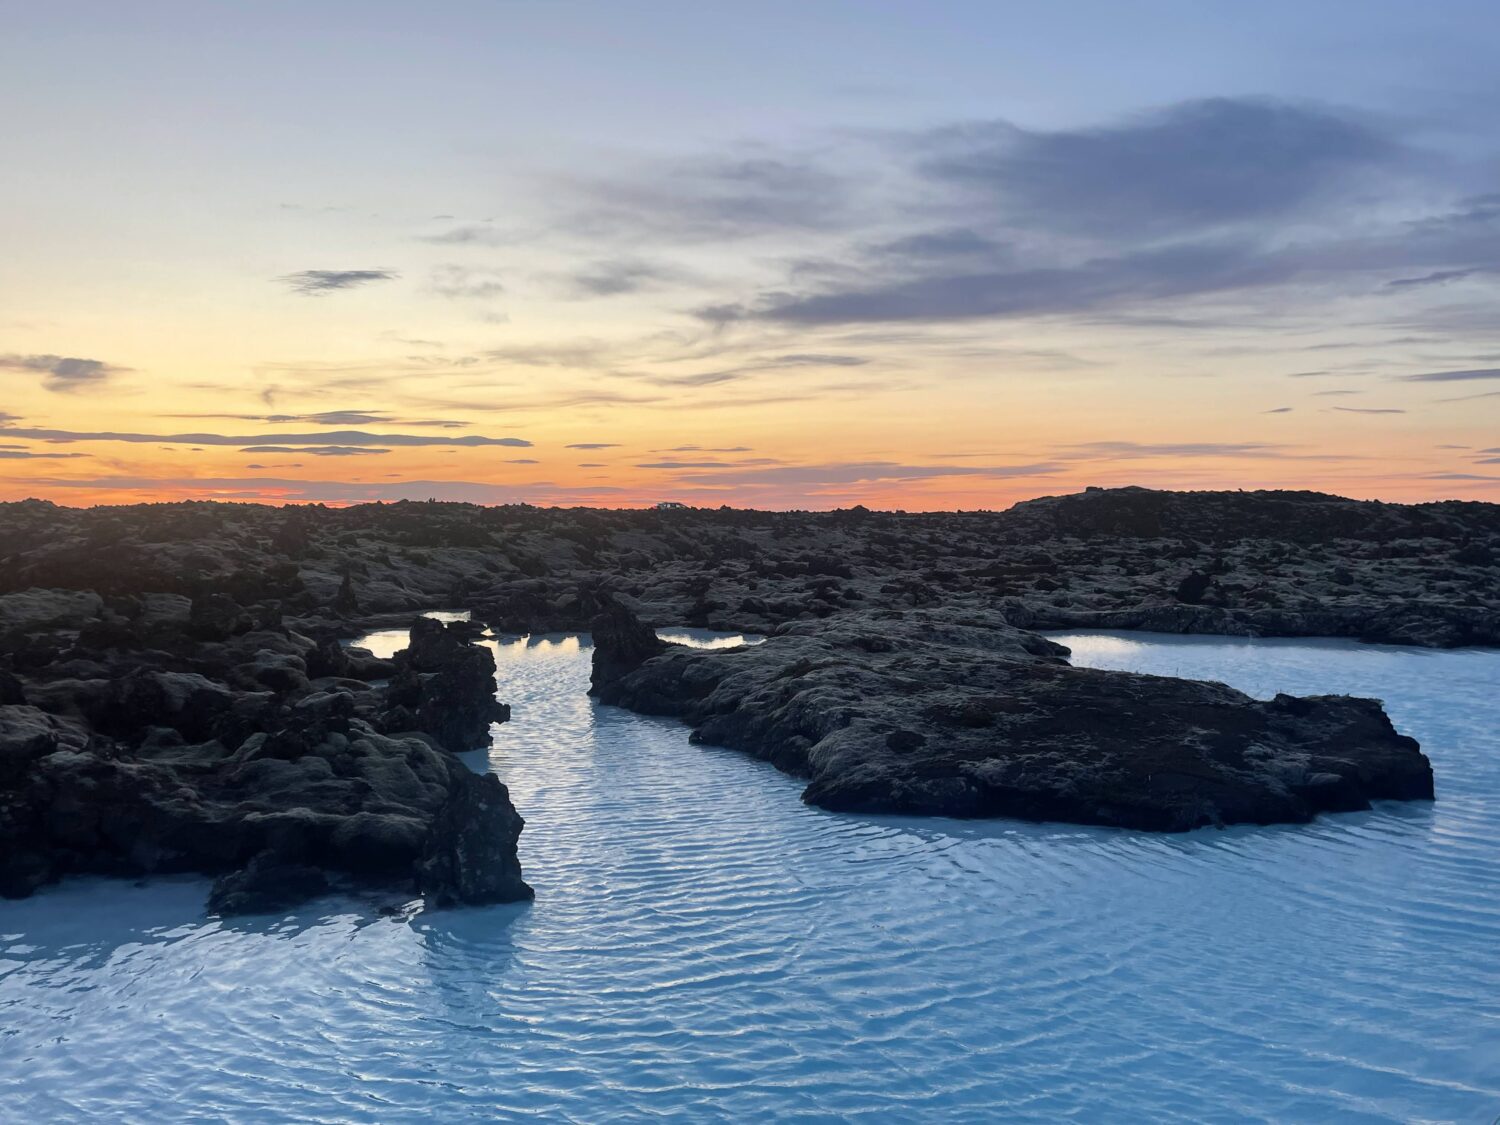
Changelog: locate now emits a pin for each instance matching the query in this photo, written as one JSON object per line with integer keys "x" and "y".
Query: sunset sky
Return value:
{"x": 785, "y": 255}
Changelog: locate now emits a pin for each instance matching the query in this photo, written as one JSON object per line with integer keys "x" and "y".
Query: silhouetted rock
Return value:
{"x": 621, "y": 644}
{"x": 445, "y": 686}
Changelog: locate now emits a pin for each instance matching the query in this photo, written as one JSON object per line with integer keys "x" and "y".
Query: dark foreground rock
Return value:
{"x": 159, "y": 739}
{"x": 939, "y": 713}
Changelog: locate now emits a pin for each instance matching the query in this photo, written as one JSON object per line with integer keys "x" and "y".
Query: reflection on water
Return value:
{"x": 704, "y": 946}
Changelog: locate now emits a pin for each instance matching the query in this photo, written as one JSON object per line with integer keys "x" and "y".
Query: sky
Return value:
{"x": 782, "y": 255}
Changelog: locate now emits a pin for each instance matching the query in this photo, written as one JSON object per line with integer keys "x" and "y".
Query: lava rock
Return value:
{"x": 964, "y": 715}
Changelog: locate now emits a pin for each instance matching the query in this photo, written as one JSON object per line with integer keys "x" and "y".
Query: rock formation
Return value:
{"x": 932, "y": 712}
{"x": 195, "y": 741}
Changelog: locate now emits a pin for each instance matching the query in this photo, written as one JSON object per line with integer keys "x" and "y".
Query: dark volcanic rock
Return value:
{"x": 266, "y": 886}
{"x": 214, "y": 754}
{"x": 938, "y": 713}
{"x": 621, "y": 644}
{"x": 445, "y": 686}
{"x": 470, "y": 855}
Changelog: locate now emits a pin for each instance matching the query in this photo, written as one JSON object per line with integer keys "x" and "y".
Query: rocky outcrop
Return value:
{"x": 199, "y": 740}
{"x": 445, "y": 686}
{"x": 621, "y": 645}
{"x": 939, "y": 713}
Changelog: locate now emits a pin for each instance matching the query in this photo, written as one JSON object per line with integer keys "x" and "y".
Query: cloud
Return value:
{"x": 1247, "y": 208}
{"x": 621, "y": 275}
{"x": 62, "y": 373}
{"x": 1152, "y": 273}
{"x": 687, "y": 465}
{"x": 1279, "y": 410}
{"x": 9, "y": 454}
{"x": 718, "y": 197}
{"x": 942, "y": 245}
{"x": 334, "y": 418}
{"x": 463, "y": 283}
{"x": 316, "y": 450}
{"x": 705, "y": 449}
{"x": 277, "y": 490}
{"x": 578, "y": 354}
{"x": 757, "y": 366}
{"x": 316, "y": 282}
{"x": 1196, "y": 164}
{"x": 1439, "y": 277}
{"x": 592, "y": 445}
{"x": 865, "y": 472}
{"x": 1367, "y": 409}
{"x": 470, "y": 234}
{"x": 1452, "y": 376}
{"x": 1131, "y": 450}
{"x": 324, "y": 438}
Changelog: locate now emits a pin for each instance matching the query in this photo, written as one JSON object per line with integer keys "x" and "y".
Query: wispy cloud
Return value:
{"x": 63, "y": 373}
{"x": 317, "y": 450}
{"x": 1132, "y": 450}
{"x": 613, "y": 277}
{"x": 1437, "y": 277}
{"x": 277, "y": 490}
{"x": 333, "y": 418}
{"x": 464, "y": 283}
{"x": 315, "y": 282}
{"x": 865, "y": 472}
{"x": 322, "y": 438}
{"x": 1452, "y": 376}
{"x": 468, "y": 234}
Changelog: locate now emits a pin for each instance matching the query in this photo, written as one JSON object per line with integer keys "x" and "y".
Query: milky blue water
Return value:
{"x": 703, "y": 947}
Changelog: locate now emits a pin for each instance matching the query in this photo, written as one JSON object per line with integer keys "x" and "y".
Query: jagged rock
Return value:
{"x": 621, "y": 644}
{"x": 470, "y": 854}
{"x": 957, "y": 715}
{"x": 252, "y": 776}
{"x": 445, "y": 686}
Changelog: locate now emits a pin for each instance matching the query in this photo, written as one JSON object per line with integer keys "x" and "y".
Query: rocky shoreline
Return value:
{"x": 174, "y": 695}
{"x": 930, "y": 712}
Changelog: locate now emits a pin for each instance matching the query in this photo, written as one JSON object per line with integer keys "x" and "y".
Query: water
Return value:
{"x": 705, "y": 947}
